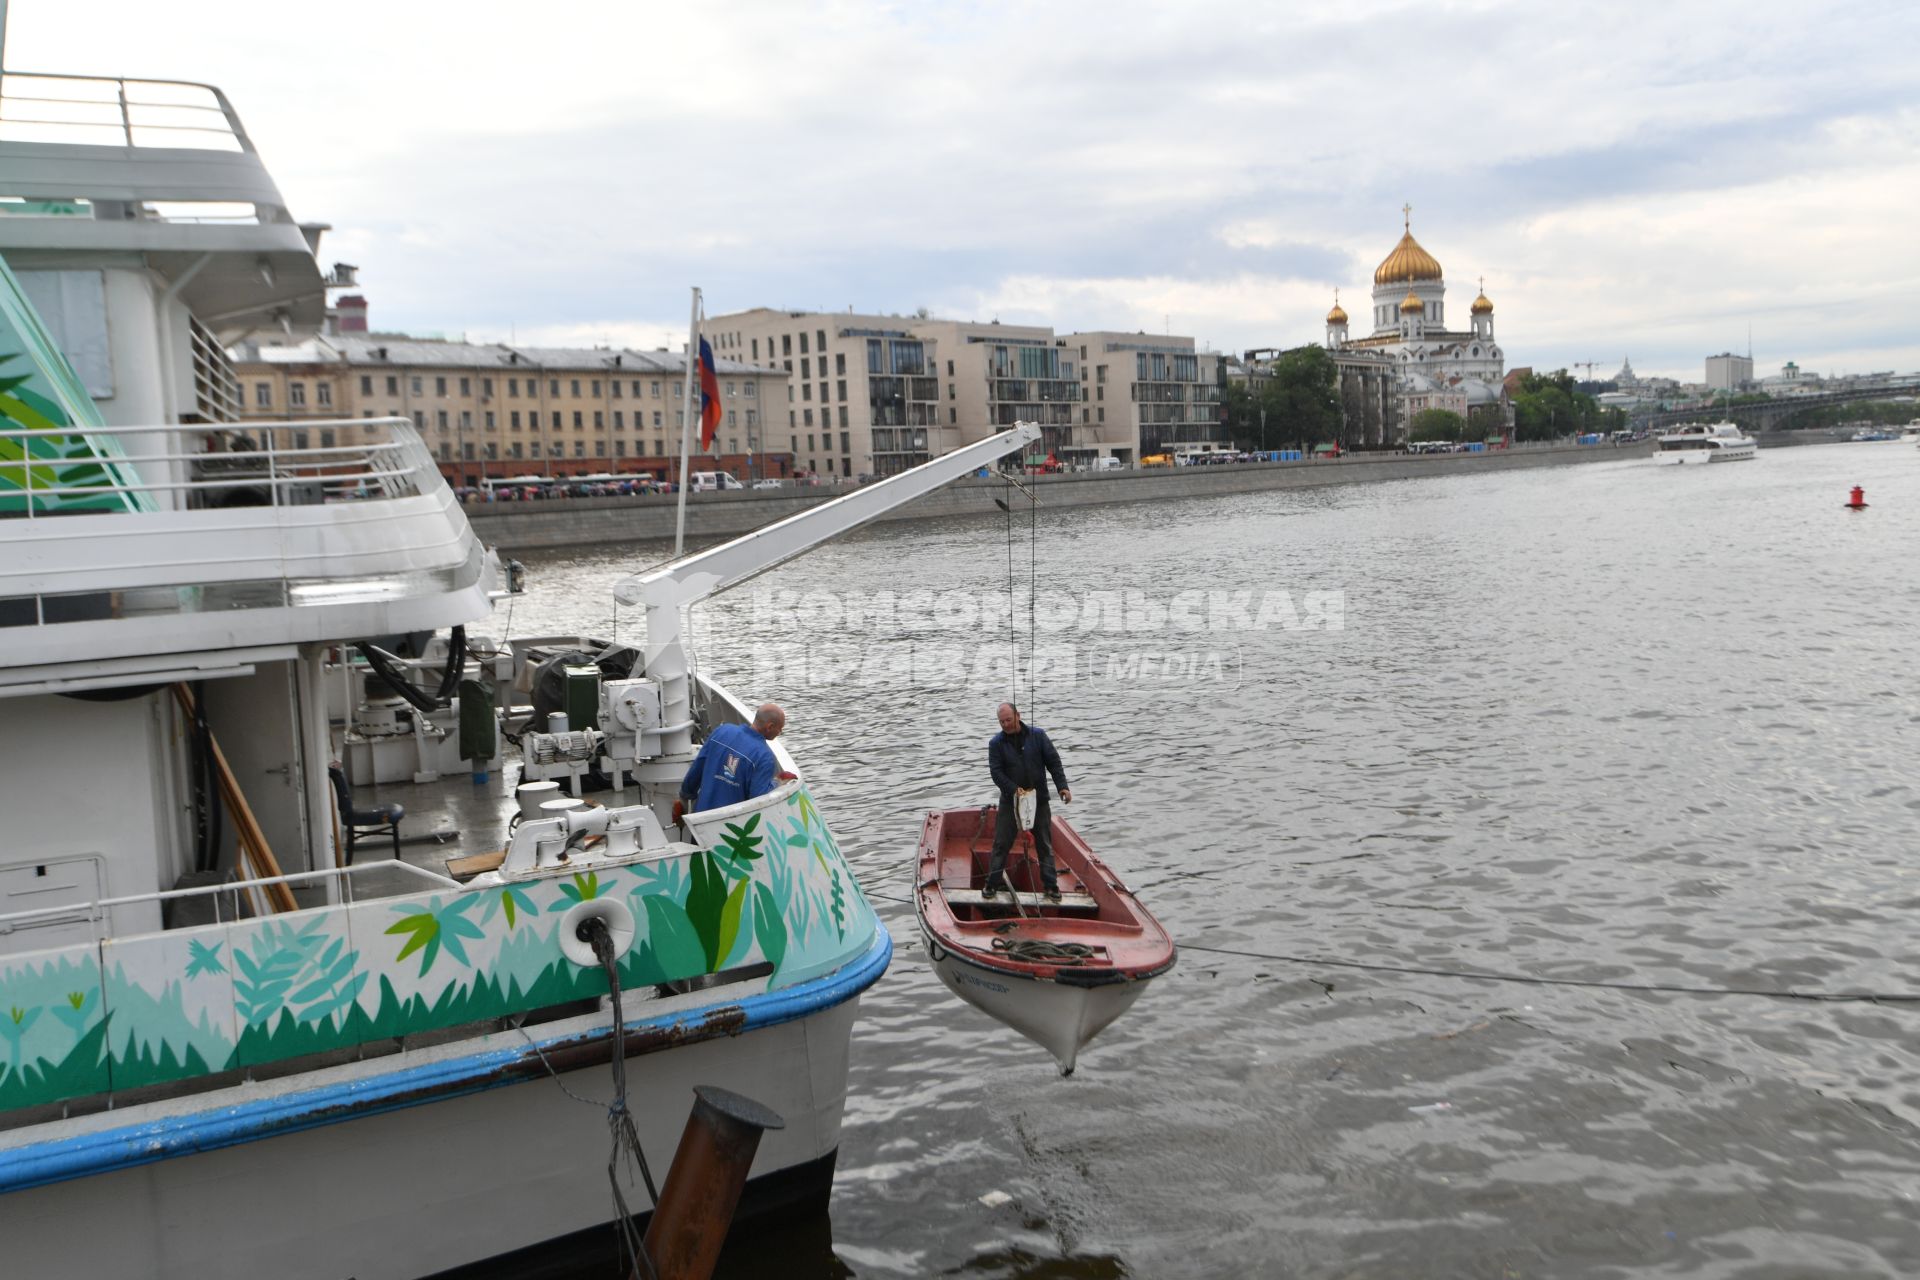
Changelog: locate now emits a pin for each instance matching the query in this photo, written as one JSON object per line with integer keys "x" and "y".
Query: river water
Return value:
{"x": 1612, "y": 722}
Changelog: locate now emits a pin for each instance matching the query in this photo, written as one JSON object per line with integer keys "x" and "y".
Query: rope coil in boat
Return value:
{"x": 1040, "y": 951}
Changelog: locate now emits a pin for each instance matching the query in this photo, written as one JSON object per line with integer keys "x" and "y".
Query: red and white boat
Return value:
{"x": 1057, "y": 973}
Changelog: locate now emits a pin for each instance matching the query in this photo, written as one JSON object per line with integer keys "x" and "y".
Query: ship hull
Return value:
{"x": 480, "y": 1172}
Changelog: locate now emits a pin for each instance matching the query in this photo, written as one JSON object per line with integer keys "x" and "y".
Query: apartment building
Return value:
{"x": 1143, "y": 394}
{"x": 875, "y": 395}
{"x": 492, "y": 410}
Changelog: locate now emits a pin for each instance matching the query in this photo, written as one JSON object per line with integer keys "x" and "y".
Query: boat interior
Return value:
{"x": 966, "y": 849}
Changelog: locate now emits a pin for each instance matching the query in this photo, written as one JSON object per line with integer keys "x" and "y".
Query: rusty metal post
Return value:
{"x": 703, "y": 1185}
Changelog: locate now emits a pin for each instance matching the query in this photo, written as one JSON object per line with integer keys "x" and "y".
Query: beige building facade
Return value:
{"x": 487, "y": 410}
{"x": 874, "y": 395}
{"x": 1144, "y": 393}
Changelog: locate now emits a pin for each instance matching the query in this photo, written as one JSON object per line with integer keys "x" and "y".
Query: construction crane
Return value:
{"x": 1588, "y": 365}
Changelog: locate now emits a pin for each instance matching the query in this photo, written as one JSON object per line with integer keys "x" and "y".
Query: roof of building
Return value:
{"x": 403, "y": 352}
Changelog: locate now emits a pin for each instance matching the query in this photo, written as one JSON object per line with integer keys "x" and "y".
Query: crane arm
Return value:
{"x": 665, "y": 591}
{"x": 697, "y": 576}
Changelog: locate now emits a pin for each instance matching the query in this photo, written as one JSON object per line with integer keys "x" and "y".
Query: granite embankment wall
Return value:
{"x": 566, "y": 522}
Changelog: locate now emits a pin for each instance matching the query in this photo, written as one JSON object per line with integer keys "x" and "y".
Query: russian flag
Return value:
{"x": 709, "y": 397}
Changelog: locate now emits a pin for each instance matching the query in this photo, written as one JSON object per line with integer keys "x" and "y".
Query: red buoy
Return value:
{"x": 1857, "y": 500}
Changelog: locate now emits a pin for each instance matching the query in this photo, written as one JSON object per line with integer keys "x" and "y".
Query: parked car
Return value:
{"x": 713, "y": 482}
{"x": 770, "y": 483}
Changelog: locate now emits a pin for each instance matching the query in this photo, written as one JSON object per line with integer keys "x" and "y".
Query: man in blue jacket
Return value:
{"x": 1020, "y": 757}
{"x": 735, "y": 763}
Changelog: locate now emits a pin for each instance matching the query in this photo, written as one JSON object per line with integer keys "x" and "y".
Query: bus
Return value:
{"x": 1194, "y": 455}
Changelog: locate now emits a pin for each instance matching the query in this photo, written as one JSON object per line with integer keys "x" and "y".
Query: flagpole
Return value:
{"x": 686, "y": 424}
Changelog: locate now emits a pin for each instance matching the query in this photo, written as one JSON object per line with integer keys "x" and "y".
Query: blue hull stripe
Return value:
{"x": 61, "y": 1159}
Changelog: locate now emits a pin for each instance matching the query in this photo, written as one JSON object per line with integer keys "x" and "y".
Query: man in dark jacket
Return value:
{"x": 1020, "y": 757}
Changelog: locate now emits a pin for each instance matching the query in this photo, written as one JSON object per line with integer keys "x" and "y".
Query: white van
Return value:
{"x": 1107, "y": 462}
{"x": 713, "y": 482}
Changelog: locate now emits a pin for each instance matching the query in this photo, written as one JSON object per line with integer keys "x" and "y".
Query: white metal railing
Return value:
{"x": 50, "y": 107}
{"x": 96, "y": 910}
{"x": 400, "y": 466}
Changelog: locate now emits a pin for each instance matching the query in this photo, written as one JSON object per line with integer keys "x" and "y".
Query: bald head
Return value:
{"x": 1009, "y": 718}
{"x": 769, "y": 720}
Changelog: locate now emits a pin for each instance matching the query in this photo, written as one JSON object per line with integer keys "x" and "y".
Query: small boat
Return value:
{"x": 1058, "y": 973}
{"x": 1705, "y": 442}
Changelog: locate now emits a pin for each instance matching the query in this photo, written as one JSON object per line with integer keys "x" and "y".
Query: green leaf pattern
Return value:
{"x": 772, "y": 887}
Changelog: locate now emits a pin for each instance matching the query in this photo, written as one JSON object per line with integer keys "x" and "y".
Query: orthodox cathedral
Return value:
{"x": 1439, "y": 368}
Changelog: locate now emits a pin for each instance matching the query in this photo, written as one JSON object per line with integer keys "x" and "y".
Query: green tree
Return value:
{"x": 1437, "y": 424}
{"x": 1298, "y": 399}
{"x": 1305, "y": 383}
{"x": 1548, "y": 406}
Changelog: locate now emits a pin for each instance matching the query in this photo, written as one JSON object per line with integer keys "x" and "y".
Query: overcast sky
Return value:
{"x": 1643, "y": 180}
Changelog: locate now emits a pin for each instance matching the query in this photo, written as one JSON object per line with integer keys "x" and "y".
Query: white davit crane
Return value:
{"x": 665, "y": 591}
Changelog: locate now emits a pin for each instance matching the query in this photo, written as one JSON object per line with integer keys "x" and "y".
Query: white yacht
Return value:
{"x": 1705, "y": 442}
{"x": 232, "y": 1048}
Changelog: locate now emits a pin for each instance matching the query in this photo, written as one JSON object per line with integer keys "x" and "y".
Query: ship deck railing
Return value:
{"x": 43, "y": 106}
{"x": 399, "y": 466}
{"x": 253, "y": 887}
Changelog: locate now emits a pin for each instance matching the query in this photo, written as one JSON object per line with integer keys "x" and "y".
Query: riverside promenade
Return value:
{"x": 569, "y": 522}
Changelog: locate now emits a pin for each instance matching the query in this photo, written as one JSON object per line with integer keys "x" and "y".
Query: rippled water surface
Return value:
{"x": 1610, "y": 722}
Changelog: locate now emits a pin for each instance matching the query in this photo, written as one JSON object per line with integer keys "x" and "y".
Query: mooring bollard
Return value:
{"x": 703, "y": 1185}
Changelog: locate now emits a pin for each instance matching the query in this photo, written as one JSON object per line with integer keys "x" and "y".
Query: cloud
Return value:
{"x": 1642, "y": 183}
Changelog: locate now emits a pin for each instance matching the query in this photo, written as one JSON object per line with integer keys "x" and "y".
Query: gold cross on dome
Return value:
{"x": 1407, "y": 210}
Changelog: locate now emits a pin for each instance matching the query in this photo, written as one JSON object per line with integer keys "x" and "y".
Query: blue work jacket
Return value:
{"x": 735, "y": 763}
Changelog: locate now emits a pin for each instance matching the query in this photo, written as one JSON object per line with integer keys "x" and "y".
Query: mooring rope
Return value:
{"x": 626, "y": 1139}
{"x": 1532, "y": 980}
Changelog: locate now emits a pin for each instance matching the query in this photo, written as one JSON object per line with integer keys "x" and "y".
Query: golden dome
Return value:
{"x": 1411, "y": 303}
{"x": 1481, "y": 306}
{"x": 1338, "y": 315}
{"x": 1408, "y": 262}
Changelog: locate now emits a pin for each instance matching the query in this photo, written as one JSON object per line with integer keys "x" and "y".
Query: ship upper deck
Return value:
{"x": 93, "y": 166}
{"x": 270, "y": 541}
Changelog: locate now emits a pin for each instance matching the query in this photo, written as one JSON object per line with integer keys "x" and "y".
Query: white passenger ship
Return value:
{"x": 229, "y": 1047}
{"x": 1705, "y": 442}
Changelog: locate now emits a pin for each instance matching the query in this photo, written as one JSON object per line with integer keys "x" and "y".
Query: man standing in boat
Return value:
{"x": 1020, "y": 757}
{"x": 735, "y": 763}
